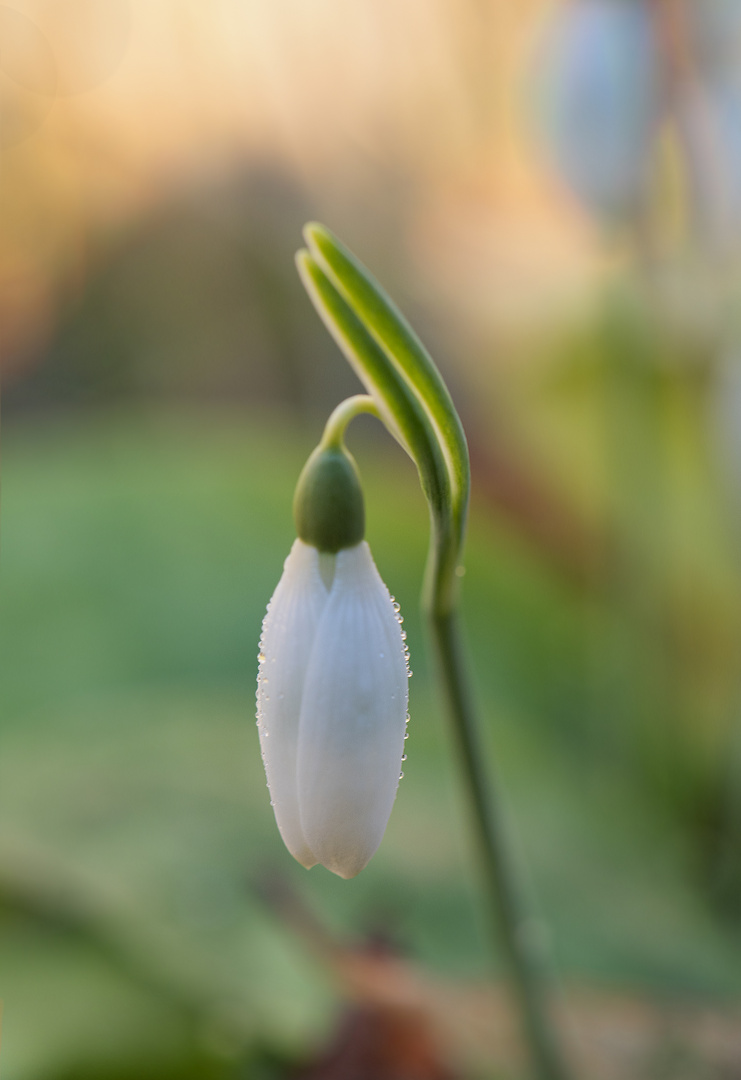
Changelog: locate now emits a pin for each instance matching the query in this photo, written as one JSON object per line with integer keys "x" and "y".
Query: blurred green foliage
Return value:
{"x": 139, "y": 550}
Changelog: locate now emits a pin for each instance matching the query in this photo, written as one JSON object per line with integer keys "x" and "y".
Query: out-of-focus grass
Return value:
{"x": 139, "y": 551}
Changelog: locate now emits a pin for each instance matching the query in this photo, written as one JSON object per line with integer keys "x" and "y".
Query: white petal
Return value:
{"x": 353, "y": 718}
{"x": 288, "y": 633}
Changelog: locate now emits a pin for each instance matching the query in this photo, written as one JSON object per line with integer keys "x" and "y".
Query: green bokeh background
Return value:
{"x": 140, "y": 547}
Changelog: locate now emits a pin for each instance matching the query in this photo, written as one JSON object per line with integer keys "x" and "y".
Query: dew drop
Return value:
{"x": 403, "y": 757}
{"x": 261, "y": 657}
{"x": 406, "y": 734}
{"x": 401, "y": 775}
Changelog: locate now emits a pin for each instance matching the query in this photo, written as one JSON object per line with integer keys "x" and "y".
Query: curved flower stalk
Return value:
{"x": 333, "y": 678}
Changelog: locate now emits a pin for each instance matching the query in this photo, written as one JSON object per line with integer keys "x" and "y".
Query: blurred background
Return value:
{"x": 552, "y": 193}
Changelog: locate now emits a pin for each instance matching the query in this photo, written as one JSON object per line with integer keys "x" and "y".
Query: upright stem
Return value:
{"x": 511, "y": 922}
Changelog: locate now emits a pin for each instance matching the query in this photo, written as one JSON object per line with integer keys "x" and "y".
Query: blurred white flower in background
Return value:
{"x": 614, "y": 74}
{"x": 598, "y": 96}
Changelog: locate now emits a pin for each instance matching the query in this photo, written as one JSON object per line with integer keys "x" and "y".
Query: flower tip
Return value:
{"x": 314, "y": 232}
{"x": 347, "y": 875}
{"x": 347, "y": 868}
{"x": 307, "y": 861}
{"x": 302, "y": 257}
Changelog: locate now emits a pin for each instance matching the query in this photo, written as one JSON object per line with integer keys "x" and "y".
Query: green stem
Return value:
{"x": 512, "y": 925}
{"x": 340, "y": 417}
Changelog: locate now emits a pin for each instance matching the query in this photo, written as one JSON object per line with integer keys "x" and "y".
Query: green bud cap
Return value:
{"x": 328, "y": 506}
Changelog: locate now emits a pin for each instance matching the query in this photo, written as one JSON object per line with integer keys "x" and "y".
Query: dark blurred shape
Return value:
{"x": 389, "y": 1027}
{"x": 397, "y": 1016}
{"x": 543, "y": 516}
{"x": 41, "y": 893}
{"x": 198, "y": 302}
{"x": 378, "y": 1042}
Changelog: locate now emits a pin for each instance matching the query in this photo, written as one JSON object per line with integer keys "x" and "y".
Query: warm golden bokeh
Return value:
{"x": 115, "y": 107}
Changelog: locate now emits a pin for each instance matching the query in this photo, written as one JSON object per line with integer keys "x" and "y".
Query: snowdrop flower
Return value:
{"x": 332, "y": 687}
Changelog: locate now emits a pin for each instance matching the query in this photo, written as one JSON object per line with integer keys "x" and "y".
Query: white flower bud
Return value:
{"x": 332, "y": 698}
